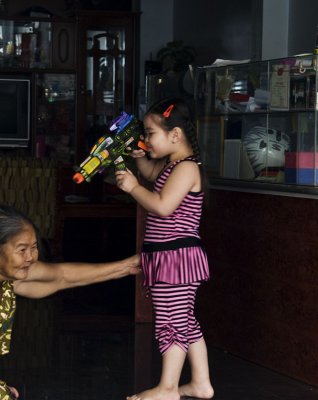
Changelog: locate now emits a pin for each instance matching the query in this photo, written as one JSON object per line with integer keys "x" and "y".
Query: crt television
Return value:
{"x": 15, "y": 110}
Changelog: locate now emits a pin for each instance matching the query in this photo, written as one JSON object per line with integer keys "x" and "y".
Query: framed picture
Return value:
{"x": 279, "y": 88}
{"x": 210, "y": 136}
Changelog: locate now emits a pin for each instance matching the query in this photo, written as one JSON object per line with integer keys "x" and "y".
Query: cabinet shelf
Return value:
{"x": 263, "y": 187}
{"x": 263, "y": 112}
{"x": 36, "y": 70}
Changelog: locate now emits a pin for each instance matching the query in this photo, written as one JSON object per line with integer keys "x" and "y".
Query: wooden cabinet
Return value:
{"x": 81, "y": 73}
{"x": 40, "y": 51}
{"x": 81, "y": 70}
{"x": 261, "y": 302}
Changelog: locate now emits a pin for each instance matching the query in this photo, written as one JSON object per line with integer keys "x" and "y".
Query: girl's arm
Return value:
{"x": 185, "y": 177}
{"x": 45, "y": 279}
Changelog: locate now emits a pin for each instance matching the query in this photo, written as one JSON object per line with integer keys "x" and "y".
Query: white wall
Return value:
{"x": 220, "y": 29}
{"x": 275, "y": 29}
{"x": 303, "y": 19}
{"x": 280, "y": 29}
{"x": 156, "y": 29}
{"x": 289, "y": 27}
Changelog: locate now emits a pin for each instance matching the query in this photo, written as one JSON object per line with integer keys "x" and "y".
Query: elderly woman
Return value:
{"x": 22, "y": 273}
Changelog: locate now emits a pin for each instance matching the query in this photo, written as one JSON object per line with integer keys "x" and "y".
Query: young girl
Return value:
{"x": 173, "y": 260}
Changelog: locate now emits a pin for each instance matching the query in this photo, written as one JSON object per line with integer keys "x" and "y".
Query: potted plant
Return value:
{"x": 176, "y": 56}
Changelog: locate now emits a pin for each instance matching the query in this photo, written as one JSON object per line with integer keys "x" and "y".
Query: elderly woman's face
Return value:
{"x": 18, "y": 254}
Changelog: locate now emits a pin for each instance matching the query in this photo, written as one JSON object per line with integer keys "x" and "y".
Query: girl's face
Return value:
{"x": 157, "y": 139}
{"x": 18, "y": 254}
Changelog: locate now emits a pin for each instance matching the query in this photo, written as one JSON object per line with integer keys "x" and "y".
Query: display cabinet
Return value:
{"x": 257, "y": 124}
{"x": 81, "y": 73}
{"x": 38, "y": 87}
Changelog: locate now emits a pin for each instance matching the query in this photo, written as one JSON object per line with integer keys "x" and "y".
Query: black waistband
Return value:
{"x": 149, "y": 247}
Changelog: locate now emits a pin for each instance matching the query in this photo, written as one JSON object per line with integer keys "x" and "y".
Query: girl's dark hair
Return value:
{"x": 12, "y": 222}
{"x": 175, "y": 112}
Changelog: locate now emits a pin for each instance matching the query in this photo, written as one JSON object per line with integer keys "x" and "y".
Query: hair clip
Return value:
{"x": 167, "y": 113}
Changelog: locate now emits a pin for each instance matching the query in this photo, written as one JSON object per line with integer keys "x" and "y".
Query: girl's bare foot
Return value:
{"x": 156, "y": 393}
{"x": 194, "y": 390}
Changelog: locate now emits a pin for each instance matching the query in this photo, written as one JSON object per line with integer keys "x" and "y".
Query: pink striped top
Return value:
{"x": 175, "y": 263}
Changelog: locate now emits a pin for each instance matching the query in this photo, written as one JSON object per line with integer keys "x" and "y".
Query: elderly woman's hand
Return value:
{"x": 6, "y": 391}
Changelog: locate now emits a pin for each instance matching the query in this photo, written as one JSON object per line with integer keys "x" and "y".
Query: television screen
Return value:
{"x": 14, "y": 112}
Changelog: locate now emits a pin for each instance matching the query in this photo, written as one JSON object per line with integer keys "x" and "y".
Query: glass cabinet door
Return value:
{"x": 55, "y": 117}
{"x": 105, "y": 74}
{"x": 25, "y": 43}
{"x": 107, "y": 71}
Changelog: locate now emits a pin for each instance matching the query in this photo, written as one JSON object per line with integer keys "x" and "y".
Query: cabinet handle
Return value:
{"x": 63, "y": 41}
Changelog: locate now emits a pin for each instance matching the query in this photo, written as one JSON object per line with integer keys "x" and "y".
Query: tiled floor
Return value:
{"x": 117, "y": 360}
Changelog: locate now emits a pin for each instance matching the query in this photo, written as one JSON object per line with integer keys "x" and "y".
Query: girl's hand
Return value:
{"x": 137, "y": 153}
{"x": 126, "y": 180}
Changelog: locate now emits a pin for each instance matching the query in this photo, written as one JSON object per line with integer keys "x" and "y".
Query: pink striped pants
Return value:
{"x": 175, "y": 323}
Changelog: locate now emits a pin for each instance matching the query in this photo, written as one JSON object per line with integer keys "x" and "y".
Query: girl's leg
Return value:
{"x": 167, "y": 389}
{"x": 170, "y": 305}
{"x": 200, "y": 384}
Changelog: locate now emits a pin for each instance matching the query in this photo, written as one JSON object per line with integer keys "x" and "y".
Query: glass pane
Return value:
{"x": 55, "y": 114}
{"x": 25, "y": 44}
{"x": 106, "y": 43}
{"x": 105, "y": 74}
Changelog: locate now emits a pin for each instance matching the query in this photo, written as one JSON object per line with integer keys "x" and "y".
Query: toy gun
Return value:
{"x": 126, "y": 131}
